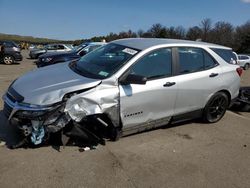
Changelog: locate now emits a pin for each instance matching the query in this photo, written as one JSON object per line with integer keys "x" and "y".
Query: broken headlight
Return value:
{"x": 57, "y": 116}
{"x": 76, "y": 110}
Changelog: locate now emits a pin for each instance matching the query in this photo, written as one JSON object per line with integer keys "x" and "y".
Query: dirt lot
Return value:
{"x": 190, "y": 155}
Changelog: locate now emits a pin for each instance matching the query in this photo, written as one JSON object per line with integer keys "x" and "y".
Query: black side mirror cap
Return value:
{"x": 133, "y": 79}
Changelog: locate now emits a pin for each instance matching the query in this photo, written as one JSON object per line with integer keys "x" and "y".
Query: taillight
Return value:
{"x": 239, "y": 71}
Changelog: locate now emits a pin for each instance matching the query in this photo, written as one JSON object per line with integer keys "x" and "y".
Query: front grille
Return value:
{"x": 7, "y": 110}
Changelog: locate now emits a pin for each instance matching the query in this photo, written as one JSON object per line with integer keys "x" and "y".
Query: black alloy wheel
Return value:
{"x": 216, "y": 107}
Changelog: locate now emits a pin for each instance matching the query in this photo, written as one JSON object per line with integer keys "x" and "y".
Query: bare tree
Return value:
{"x": 140, "y": 33}
{"x": 158, "y": 31}
{"x": 180, "y": 32}
{"x": 194, "y": 33}
{"x": 222, "y": 33}
{"x": 242, "y": 38}
{"x": 206, "y": 26}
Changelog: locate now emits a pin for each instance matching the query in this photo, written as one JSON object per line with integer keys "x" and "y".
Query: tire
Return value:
{"x": 8, "y": 60}
{"x": 215, "y": 107}
{"x": 246, "y": 66}
{"x": 115, "y": 133}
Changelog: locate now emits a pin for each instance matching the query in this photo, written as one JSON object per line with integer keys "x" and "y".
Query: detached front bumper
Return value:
{"x": 35, "y": 121}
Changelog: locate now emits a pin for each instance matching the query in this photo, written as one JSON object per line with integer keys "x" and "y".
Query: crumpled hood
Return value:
{"x": 48, "y": 85}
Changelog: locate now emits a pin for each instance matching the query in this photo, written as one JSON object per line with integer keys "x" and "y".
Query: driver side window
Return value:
{"x": 156, "y": 64}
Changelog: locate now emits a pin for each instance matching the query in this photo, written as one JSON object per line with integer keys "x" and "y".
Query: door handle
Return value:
{"x": 169, "y": 84}
{"x": 213, "y": 75}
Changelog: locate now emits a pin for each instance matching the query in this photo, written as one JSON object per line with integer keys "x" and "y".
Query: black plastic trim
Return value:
{"x": 187, "y": 116}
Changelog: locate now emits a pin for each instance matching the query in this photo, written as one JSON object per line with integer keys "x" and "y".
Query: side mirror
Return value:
{"x": 133, "y": 79}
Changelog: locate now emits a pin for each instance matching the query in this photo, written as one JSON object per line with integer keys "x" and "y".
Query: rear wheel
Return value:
{"x": 246, "y": 66}
{"x": 216, "y": 107}
{"x": 7, "y": 59}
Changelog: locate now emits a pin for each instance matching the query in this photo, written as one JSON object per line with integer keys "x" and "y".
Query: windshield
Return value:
{"x": 104, "y": 61}
{"x": 69, "y": 46}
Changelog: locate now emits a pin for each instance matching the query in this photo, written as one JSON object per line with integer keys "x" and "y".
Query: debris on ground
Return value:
{"x": 242, "y": 102}
{"x": 87, "y": 148}
{"x": 74, "y": 134}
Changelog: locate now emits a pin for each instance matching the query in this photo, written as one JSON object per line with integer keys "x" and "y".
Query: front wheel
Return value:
{"x": 216, "y": 107}
{"x": 8, "y": 60}
{"x": 114, "y": 133}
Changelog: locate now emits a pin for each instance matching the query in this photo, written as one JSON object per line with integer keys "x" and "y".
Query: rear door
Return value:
{"x": 198, "y": 76}
{"x": 152, "y": 103}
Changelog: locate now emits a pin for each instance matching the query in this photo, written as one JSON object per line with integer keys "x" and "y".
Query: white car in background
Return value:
{"x": 35, "y": 53}
{"x": 244, "y": 61}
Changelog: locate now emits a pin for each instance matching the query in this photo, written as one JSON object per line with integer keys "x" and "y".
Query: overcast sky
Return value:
{"x": 77, "y": 19}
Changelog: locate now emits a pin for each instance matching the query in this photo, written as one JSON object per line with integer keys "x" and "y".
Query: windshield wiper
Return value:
{"x": 83, "y": 72}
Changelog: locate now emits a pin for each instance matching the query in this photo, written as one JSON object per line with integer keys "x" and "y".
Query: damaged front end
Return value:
{"x": 34, "y": 121}
{"x": 89, "y": 115}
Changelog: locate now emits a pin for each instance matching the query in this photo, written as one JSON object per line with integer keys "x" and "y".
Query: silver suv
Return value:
{"x": 126, "y": 86}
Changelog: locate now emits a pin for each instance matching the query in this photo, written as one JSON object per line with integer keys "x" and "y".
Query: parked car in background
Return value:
{"x": 32, "y": 46}
{"x": 125, "y": 87}
{"x": 35, "y": 53}
{"x": 244, "y": 61}
{"x": 50, "y": 58}
{"x": 11, "y": 52}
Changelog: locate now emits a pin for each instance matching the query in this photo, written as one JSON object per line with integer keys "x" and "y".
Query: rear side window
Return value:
{"x": 225, "y": 54}
{"x": 60, "y": 47}
{"x": 51, "y": 47}
{"x": 157, "y": 64}
{"x": 194, "y": 59}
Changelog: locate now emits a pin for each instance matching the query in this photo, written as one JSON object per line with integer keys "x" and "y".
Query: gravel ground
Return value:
{"x": 188, "y": 155}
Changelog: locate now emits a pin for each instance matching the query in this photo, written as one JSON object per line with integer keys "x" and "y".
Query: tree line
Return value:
{"x": 223, "y": 33}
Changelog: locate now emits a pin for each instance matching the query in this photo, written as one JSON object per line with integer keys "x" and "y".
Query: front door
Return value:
{"x": 151, "y": 104}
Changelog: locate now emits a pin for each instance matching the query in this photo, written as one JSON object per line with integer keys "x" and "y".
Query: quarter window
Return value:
{"x": 225, "y": 54}
{"x": 156, "y": 64}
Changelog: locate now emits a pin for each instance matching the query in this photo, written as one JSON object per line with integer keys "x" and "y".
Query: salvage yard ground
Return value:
{"x": 188, "y": 155}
